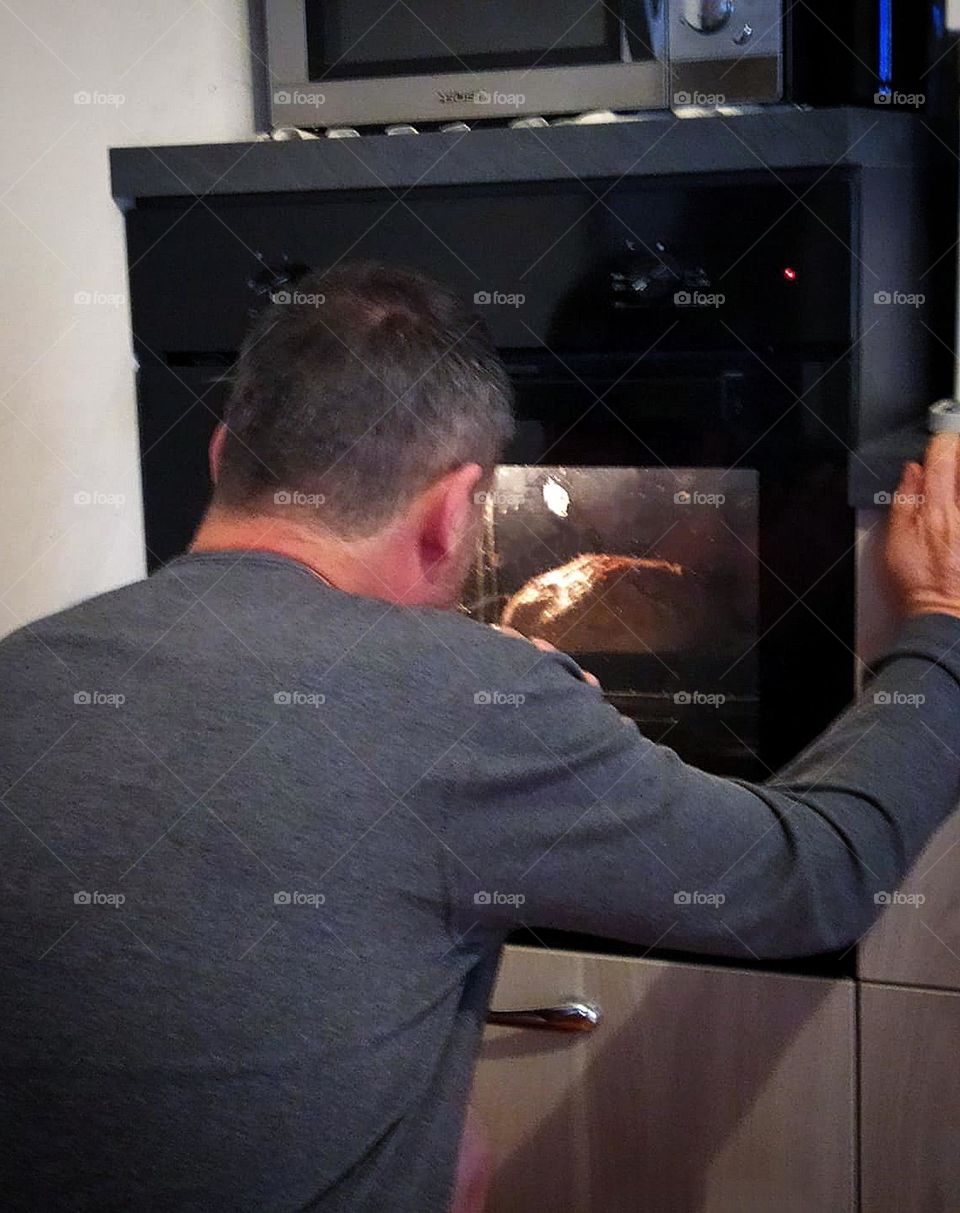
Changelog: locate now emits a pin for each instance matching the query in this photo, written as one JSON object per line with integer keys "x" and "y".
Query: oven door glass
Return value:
{"x": 648, "y": 576}
{"x": 369, "y": 38}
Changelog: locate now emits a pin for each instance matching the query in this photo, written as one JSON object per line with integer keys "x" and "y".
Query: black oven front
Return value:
{"x": 679, "y": 523}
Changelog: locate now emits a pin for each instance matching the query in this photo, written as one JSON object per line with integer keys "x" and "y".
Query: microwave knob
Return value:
{"x": 706, "y": 16}
{"x": 744, "y": 36}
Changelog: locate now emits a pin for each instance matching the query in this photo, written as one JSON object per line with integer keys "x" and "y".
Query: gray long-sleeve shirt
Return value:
{"x": 263, "y": 840}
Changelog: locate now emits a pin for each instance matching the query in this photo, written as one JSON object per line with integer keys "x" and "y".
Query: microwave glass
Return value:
{"x": 369, "y": 38}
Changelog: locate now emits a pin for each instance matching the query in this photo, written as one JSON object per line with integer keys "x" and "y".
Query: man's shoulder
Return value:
{"x": 89, "y": 614}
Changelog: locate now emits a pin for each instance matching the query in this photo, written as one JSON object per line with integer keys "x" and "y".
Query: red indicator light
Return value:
{"x": 790, "y": 274}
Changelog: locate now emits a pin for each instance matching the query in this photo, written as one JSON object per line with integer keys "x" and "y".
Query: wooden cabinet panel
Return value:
{"x": 918, "y": 942}
{"x": 910, "y": 1111}
{"x": 703, "y": 1090}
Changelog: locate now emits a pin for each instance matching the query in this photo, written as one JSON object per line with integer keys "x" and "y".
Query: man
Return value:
{"x": 255, "y": 805}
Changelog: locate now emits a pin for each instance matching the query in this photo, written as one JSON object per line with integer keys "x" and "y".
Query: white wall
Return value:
{"x": 67, "y": 402}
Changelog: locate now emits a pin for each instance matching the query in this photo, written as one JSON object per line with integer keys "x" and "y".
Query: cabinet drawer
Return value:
{"x": 702, "y": 1089}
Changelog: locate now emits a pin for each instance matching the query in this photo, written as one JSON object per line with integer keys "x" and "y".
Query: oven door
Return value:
{"x": 680, "y": 525}
{"x": 360, "y": 62}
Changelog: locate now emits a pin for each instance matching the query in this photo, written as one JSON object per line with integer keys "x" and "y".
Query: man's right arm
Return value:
{"x": 562, "y": 816}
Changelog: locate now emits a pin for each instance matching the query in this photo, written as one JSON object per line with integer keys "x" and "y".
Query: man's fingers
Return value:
{"x": 543, "y": 645}
{"x": 940, "y": 476}
{"x": 909, "y": 494}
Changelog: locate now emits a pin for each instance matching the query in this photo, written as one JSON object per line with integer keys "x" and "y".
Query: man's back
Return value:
{"x": 230, "y": 975}
{"x": 263, "y": 840}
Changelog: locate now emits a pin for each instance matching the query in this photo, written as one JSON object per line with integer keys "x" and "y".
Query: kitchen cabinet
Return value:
{"x": 703, "y": 1090}
{"x": 910, "y": 1100}
{"x": 917, "y": 941}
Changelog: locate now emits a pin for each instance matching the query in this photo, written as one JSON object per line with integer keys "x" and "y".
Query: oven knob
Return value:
{"x": 707, "y": 16}
{"x": 744, "y": 36}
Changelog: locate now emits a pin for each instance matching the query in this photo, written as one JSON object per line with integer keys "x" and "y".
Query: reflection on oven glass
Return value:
{"x": 649, "y": 573}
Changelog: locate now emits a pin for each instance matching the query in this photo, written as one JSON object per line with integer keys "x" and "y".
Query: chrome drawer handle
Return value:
{"x": 565, "y": 1017}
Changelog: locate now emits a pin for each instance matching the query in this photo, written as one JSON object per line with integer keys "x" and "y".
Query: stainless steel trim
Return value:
{"x": 690, "y": 45}
{"x": 572, "y": 1016}
{"x": 467, "y": 95}
{"x": 286, "y": 43}
{"x": 944, "y": 417}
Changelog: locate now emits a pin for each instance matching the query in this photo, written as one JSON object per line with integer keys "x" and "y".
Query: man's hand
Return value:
{"x": 546, "y": 647}
{"x": 923, "y": 543}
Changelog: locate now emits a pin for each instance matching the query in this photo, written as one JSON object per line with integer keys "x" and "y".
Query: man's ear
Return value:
{"x": 450, "y": 509}
{"x": 217, "y": 440}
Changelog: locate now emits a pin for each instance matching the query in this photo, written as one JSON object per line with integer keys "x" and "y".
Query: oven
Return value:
{"x": 697, "y": 364}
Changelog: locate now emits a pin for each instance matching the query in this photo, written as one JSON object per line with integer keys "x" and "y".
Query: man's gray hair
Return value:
{"x": 358, "y": 388}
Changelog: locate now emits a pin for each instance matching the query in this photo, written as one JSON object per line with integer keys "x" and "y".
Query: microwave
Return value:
{"x": 368, "y": 63}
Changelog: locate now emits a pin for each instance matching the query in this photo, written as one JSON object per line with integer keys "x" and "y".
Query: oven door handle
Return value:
{"x": 571, "y": 1016}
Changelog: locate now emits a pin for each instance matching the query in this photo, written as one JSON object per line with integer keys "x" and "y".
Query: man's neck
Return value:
{"x": 371, "y": 567}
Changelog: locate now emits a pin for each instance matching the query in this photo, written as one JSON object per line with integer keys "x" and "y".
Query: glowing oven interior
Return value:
{"x": 648, "y": 576}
